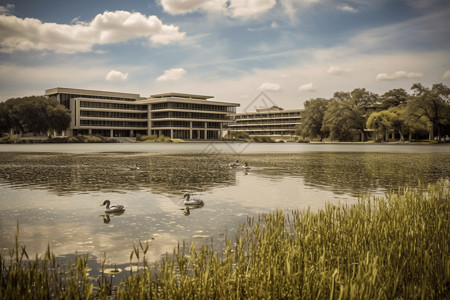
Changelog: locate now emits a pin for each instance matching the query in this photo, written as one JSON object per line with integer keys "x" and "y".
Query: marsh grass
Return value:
{"x": 393, "y": 247}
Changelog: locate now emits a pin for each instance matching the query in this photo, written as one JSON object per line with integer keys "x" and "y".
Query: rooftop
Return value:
{"x": 181, "y": 95}
{"x": 90, "y": 93}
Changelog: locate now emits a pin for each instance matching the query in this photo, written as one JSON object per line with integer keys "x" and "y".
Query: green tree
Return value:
{"x": 34, "y": 114}
{"x": 431, "y": 104}
{"x": 393, "y": 98}
{"x": 386, "y": 121}
{"x": 312, "y": 119}
{"x": 347, "y": 113}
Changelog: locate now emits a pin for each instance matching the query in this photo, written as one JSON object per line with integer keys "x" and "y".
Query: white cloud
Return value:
{"x": 308, "y": 87}
{"x": 269, "y": 87}
{"x": 172, "y": 74}
{"x": 250, "y": 8}
{"x": 175, "y": 7}
{"x": 348, "y": 8}
{"x": 115, "y": 76}
{"x": 337, "y": 71}
{"x": 446, "y": 75}
{"x": 398, "y": 75}
{"x": 232, "y": 8}
{"x": 291, "y": 6}
{"x": 110, "y": 27}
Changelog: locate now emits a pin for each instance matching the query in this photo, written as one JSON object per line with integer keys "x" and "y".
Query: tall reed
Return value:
{"x": 393, "y": 247}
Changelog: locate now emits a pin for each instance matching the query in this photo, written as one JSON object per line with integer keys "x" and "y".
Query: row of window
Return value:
{"x": 268, "y": 122}
{"x": 192, "y": 106}
{"x": 188, "y": 115}
{"x": 259, "y": 133}
{"x": 268, "y": 116}
{"x": 113, "y": 123}
{"x": 112, "y": 114}
{"x": 64, "y": 99}
{"x": 185, "y": 124}
{"x": 108, "y": 105}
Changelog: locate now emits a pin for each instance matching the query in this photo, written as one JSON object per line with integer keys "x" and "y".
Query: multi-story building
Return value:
{"x": 114, "y": 114}
{"x": 188, "y": 116}
{"x": 273, "y": 122}
{"x": 102, "y": 113}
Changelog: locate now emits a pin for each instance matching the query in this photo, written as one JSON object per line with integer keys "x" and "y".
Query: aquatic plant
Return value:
{"x": 388, "y": 247}
{"x": 381, "y": 248}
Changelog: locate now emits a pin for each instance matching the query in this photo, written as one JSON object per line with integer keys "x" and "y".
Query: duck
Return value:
{"x": 132, "y": 168}
{"x": 194, "y": 202}
{"x": 233, "y": 164}
{"x": 245, "y": 166}
{"x": 112, "y": 208}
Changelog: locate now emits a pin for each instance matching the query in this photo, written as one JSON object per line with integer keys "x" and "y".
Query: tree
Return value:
{"x": 341, "y": 119}
{"x": 387, "y": 120}
{"x": 347, "y": 113}
{"x": 431, "y": 104}
{"x": 312, "y": 118}
{"x": 394, "y": 98}
{"x": 34, "y": 114}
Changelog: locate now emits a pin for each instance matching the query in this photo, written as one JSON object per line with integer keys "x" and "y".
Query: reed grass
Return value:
{"x": 392, "y": 247}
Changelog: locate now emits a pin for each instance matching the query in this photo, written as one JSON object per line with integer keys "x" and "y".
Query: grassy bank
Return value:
{"x": 383, "y": 248}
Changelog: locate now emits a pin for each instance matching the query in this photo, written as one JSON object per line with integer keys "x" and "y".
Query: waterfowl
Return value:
{"x": 112, "y": 208}
{"x": 245, "y": 166}
{"x": 135, "y": 167}
{"x": 194, "y": 202}
{"x": 234, "y": 164}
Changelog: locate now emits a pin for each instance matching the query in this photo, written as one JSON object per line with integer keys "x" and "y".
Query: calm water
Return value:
{"x": 54, "y": 191}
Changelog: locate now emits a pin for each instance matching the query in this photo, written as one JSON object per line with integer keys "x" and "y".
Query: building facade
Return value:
{"x": 175, "y": 115}
{"x": 273, "y": 122}
{"x": 187, "y": 116}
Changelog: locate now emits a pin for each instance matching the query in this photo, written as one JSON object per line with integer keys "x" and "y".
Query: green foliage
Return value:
{"x": 160, "y": 139}
{"x": 393, "y": 247}
{"x": 86, "y": 139}
{"x": 341, "y": 120}
{"x": 312, "y": 119}
{"x": 10, "y": 139}
{"x": 394, "y": 98}
{"x": 433, "y": 105}
{"x": 240, "y": 135}
{"x": 33, "y": 114}
{"x": 262, "y": 139}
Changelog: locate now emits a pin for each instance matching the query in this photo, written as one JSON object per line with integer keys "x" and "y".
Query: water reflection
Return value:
{"x": 83, "y": 173}
{"x": 107, "y": 216}
{"x": 55, "y": 197}
{"x": 355, "y": 173}
{"x": 188, "y": 208}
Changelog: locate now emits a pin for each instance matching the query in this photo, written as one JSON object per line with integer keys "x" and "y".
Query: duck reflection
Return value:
{"x": 187, "y": 209}
{"x": 107, "y": 216}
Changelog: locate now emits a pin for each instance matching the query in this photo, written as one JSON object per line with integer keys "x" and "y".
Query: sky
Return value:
{"x": 292, "y": 50}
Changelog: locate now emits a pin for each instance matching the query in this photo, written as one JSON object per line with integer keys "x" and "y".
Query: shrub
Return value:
{"x": 10, "y": 139}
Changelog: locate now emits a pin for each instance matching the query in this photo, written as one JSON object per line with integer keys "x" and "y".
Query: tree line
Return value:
{"x": 424, "y": 112}
{"x": 34, "y": 114}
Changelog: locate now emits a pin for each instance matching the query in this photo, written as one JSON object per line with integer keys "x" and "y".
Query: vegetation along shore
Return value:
{"x": 392, "y": 247}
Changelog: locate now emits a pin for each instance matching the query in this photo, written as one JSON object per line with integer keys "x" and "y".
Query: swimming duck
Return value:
{"x": 245, "y": 166}
{"x": 113, "y": 208}
{"x": 233, "y": 164}
{"x": 192, "y": 202}
{"x": 132, "y": 168}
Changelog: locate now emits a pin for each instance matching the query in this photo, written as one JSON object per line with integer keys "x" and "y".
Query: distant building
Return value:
{"x": 273, "y": 122}
{"x": 175, "y": 115}
{"x": 187, "y": 116}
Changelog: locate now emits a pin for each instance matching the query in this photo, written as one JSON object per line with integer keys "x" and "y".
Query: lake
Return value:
{"x": 54, "y": 191}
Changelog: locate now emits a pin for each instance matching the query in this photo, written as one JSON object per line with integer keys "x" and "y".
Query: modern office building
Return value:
{"x": 188, "y": 116}
{"x": 114, "y": 114}
{"x": 273, "y": 122}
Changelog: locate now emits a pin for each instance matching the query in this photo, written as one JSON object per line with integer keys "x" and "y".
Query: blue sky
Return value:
{"x": 293, "y": 50}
